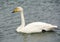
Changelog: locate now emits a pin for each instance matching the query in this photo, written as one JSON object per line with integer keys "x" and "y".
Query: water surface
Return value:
{"x": 34, "y": 10}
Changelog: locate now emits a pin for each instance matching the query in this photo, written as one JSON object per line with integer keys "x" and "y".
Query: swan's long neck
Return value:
{"x": 22, "y": 19}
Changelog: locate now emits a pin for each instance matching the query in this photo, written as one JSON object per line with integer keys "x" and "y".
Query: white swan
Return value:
{"x": 32, "y": 27}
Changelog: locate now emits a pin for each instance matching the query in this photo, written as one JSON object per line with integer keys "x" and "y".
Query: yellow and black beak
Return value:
{"x": 16, "y": 10}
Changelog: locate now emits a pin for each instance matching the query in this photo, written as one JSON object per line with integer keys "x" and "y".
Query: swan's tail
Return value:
{"x": 55, "y": 26}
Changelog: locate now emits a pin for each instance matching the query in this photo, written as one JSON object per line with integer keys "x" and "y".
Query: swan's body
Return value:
{"x": 32, "y": 27}
{"x": 35, "y": 27}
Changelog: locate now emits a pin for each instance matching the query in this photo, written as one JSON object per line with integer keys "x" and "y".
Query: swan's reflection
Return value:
{"x": 42, "y": 37}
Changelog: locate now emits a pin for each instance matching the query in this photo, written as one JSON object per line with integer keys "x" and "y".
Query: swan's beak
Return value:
{"x": 13, "y": 12}
{"x": 16, "y": 10}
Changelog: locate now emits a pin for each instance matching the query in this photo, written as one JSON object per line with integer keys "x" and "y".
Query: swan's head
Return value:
{"x": 17, "y": 9}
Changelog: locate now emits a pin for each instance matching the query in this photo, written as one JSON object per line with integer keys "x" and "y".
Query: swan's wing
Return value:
{"x": 37, "y": 27}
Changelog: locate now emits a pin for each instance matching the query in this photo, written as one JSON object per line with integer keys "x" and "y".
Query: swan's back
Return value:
{"x": 40, "y": 24}
{"x": 38, "y": 27}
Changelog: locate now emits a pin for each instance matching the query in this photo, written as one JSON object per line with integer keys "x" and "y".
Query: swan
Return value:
{"x": 32, "y": 27}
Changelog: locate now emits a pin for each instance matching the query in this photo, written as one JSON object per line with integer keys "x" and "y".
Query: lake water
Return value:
{"x": 34, "y": 10}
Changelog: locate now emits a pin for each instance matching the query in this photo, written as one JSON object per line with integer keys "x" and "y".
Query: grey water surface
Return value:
{"x": 34, "y": 10}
